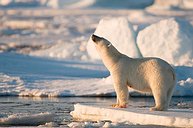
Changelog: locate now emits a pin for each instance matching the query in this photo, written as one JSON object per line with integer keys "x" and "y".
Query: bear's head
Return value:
{"x": 101, "y": 43}
{"x": 108, "y": 53}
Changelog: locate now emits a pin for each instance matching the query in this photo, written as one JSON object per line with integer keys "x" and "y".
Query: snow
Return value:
{"x": 10, "y": 85}
{"x": 62, "y": 46}
{"x": 142, "y": 116}
{"x": 169, "y": 39}
{"x": 76, "y": 4}
{"x": 36, "y": 78}
{"x": 119, "y": 31}
{"x": 63, "y": 88}
{"x": 98, "y": 124}
{"x": 172, "y": 4}
{"x": 159, "y": 4}
{"x": 82, "y": 4}
{"x": 187, "y": 4}
{"x": 32, "y": 76}
{"x": 49, "y": 124}
{"x": 26, "y": 119}
{"x": 66, "y": 50}
{"x": 19, "y": 24}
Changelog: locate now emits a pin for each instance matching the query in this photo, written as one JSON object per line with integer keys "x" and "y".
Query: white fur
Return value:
{"x": 146, "y": 75}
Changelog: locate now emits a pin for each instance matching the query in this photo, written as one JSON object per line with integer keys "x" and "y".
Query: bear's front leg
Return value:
{"x": 114, "y": 105}
{"x": 121, "y": 90}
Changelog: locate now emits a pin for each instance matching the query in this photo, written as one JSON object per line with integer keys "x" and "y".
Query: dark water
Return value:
{"x": 62, "y": 107}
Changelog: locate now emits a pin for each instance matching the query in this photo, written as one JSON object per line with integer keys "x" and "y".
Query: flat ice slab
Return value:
{"x": 31, "y": 119}
{"x": 142, "y": 116}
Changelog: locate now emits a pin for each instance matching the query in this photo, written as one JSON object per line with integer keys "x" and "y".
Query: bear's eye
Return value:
{"x": 109, "y": 45}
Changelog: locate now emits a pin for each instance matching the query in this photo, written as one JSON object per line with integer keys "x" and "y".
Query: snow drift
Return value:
{"x": 31, "y": 76}
{"x": 119, "y": 32}
{"x": 170, "y": 39}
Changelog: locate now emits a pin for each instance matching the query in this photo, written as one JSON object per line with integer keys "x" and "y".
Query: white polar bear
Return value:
{"x": 146, "y": 75}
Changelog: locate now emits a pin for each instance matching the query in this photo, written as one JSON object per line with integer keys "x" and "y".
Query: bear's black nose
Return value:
{"x": 93, "y": 37}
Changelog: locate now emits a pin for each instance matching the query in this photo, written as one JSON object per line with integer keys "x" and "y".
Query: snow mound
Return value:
{"x": 67, "y": 50}
{"x": 33, "y": 119}
{"x": 10, "y": 85}
{"x": 170, "y": 39}
{"x": 172, "y": 4}
{"x": 142, "y": 116}
{"x": 119, "y": 32}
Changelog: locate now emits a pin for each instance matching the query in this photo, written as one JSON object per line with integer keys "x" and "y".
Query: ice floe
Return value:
{"x": 27, "y": 119}
{"x": 141, "y": 116}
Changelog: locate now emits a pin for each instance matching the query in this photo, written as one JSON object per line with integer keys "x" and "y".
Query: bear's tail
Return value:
{"x": 173, "y": 74}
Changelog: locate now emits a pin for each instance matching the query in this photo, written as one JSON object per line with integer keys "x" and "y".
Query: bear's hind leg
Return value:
{"x": 160, "y": 97}
{"x": 169, "y": 95}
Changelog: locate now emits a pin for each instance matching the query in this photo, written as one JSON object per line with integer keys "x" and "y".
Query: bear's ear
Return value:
{"x": 95, "y": 38}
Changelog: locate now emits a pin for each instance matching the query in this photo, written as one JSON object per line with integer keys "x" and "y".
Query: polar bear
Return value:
{"x": 145, "y": 75}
